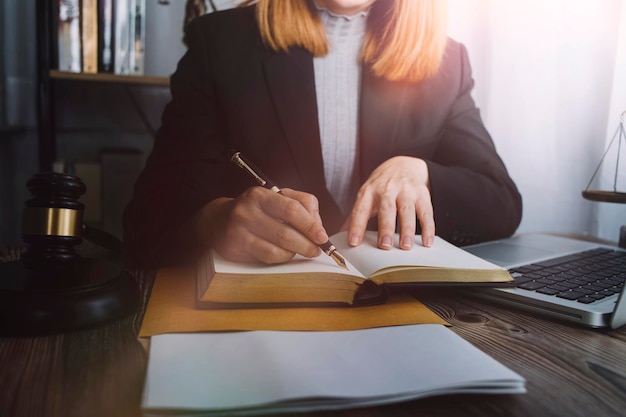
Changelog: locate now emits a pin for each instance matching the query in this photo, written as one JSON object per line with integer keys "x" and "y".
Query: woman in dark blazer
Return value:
{"x": 252, "y": 80}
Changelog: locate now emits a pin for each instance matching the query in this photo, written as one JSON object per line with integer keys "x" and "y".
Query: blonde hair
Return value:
{"x": 405, "y": 39}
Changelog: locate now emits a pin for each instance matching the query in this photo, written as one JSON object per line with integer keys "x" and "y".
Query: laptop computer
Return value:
{"x": 556, "y": 276}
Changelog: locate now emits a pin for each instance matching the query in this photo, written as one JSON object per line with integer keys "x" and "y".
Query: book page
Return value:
{"x": 368, "y": 258}
{"x": 299, "y": 264}
{"x": 306, "y": 371}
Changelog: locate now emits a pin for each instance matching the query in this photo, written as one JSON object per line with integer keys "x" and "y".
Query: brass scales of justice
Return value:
{"x": 612, "y": 196}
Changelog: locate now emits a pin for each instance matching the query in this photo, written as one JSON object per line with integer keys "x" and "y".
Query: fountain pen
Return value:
{"x": 242, "y": 162}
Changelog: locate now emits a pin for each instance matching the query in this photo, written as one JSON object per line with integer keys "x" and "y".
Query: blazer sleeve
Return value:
{"x": 180, "y": 175}
{"x": 474, "y": 198}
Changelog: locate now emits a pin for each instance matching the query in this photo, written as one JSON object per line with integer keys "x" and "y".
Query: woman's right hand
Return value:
{"x": 261, "y": 225}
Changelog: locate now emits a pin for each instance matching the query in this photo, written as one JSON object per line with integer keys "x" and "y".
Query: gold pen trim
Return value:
{"x": 242, "y": 164}
{"x": 337, "y": 257}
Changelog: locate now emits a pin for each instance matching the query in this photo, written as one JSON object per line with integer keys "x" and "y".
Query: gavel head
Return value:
{"x": 52, "y": 221}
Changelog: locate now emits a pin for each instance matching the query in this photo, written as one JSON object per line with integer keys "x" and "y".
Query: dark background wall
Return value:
{"x": 18, "y": 157}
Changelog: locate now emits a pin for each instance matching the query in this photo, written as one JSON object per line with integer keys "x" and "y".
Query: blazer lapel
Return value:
{"x": 291, "y": 83}
{"x": 379, "y": 120}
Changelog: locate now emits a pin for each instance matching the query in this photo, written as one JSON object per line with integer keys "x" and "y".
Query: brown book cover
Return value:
{"x": 371, "y": 271}
{"x": 89, "y": 35}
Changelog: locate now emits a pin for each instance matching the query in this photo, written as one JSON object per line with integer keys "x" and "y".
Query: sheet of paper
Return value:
{"x": 171, "y": 308}
{"x": 226, "y": 371}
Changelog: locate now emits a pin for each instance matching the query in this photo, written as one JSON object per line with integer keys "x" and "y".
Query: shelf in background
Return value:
{"x": 115, "y": 78}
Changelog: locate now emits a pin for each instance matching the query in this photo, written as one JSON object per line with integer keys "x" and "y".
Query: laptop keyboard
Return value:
{"x": 585, "y": 277}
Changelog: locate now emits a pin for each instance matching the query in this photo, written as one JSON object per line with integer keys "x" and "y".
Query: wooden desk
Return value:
{"x": 570, "y": 371}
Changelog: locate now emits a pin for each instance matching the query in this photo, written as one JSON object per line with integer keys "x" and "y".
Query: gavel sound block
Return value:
{"x": 53, "y": 289}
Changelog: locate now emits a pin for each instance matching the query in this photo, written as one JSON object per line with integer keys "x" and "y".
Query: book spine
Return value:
{"x": 131, "y": 35}
{"x": 105, "y": 35}
{"x": 139, "y": 37}
{"x": 69, "y": 39}
{"x": 121, "y": 58}
{"x": 54, "y": 30}
{"x": 89, "y": 29}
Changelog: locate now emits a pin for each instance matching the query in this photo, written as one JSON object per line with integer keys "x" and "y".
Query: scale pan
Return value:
{"x": 605, "y": 196}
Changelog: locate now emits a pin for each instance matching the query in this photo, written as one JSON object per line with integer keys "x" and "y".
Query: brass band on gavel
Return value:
{"x": 52, "y": 221}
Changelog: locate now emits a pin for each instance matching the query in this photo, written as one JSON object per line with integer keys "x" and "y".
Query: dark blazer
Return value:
{"x": 230, "y": 91}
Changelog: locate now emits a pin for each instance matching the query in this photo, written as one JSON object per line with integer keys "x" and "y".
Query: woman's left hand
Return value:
{"x": 398, "y": 188}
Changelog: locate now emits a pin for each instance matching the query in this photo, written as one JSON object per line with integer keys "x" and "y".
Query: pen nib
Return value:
{"x": 339, "y": 259}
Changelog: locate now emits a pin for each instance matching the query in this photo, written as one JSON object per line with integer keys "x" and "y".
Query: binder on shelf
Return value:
{"x": 121, "y": 56}
{"x": 105, "y": 35}
{"x": 139, "y": 37}
{"x": 89, "y": 35}
{"x": 68, "y": 36}
{"x": 129, "y": 41}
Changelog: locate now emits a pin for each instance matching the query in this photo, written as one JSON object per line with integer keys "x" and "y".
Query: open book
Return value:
{"x": 221, "y": 283}
{"x": 261, "y": 372}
